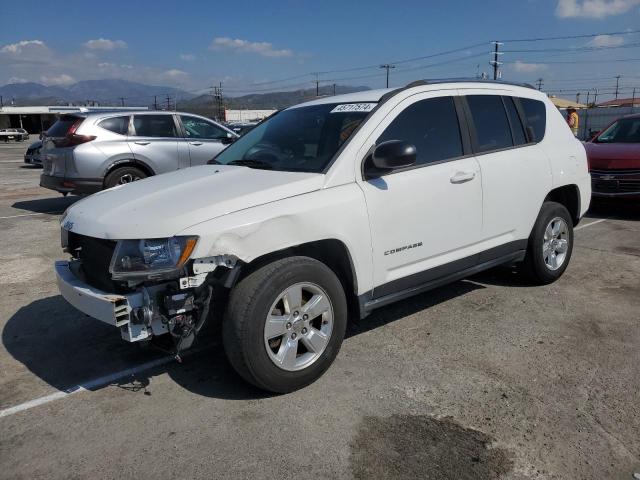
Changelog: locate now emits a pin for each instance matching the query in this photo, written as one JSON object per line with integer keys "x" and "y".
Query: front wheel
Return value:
{"x": 550, "y": 244}
{"x": 285, "y": 323}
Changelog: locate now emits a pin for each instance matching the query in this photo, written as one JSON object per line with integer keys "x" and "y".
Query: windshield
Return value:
{"x": 303, "y": 139}
{"x": 626, "y": 130}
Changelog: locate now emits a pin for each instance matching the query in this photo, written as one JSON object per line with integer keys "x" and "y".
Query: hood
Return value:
{"x": 164, "y": 205}
{"x": 613, "y": 156}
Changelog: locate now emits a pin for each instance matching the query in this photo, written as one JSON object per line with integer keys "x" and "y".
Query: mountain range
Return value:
{"x": 114, "y": 92}
{"x": 108, "y": 91}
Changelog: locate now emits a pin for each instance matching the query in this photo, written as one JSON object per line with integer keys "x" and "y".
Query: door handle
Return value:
{"x": 462, "y": 177}
{"x": 197, "y": 144}
{"x": 142, "y": 142}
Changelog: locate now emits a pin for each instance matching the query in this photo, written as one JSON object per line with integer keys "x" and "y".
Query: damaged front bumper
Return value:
{"x": 123, "y": 311}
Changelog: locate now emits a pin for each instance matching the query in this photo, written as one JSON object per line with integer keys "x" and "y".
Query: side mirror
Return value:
{"x": 230, "y": 138}
{"x": 394, "y": 154}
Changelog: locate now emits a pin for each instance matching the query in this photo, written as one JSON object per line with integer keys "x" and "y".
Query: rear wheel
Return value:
{"x": 124, "y": 175}
{"x": 285, "y": 323}
{"x": 550, "y": 244}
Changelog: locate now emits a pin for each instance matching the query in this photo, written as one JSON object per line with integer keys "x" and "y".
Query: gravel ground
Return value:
{"x": 485, "y": 378}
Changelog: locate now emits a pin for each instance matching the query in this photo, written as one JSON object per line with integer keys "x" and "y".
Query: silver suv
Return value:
{"x": 85, "y": 153}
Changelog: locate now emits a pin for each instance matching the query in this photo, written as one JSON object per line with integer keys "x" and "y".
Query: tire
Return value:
{"x": 123, "y": 175}
{"x": 539, "y": 260}
{"x": 256, "y": 297}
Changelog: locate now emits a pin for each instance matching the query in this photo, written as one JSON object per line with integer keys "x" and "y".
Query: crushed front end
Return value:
{"x": 145, "y": 288}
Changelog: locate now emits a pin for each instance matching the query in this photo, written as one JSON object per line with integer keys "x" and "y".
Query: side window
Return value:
{"x": 519, "y": 138}
{"x": 159, "y": 126}
{"x": 431, "y": 126}
{"x": 119, "y": 125}
{"x": 490, "y": 122}
{"x": 535, "y": 115}
{"x": 199, "y": 128}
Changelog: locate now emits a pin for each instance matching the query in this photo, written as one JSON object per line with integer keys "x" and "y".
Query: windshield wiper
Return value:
{"x": 252, "y": 164}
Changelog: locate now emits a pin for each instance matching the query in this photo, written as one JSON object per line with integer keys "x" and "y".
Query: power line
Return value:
{"x": 574, "y": 49}
{"x": 570, "y": 37}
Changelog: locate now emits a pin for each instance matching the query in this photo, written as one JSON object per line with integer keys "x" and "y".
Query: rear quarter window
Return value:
{"x": 535, "y": 118}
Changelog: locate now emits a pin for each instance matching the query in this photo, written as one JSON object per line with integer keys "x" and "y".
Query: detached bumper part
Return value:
{"x": 112, "y": 309}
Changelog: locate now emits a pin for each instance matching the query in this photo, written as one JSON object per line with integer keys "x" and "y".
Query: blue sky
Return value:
{"x": 246, "y": 44}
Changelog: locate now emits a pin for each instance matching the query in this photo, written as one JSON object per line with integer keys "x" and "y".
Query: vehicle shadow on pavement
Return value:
{"x": 618, "y": 210}
{"x": 53, "y": 205}
{"x": 404, "y": 308}
{"x": 65, "y": 349}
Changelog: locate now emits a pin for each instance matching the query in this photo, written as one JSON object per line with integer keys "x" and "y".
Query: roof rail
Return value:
{"x": 435, "y": 81}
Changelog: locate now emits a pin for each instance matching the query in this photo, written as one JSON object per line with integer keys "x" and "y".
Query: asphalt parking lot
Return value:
{"x": 486, "y": 378}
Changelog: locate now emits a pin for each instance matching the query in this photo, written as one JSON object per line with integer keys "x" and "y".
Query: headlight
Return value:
{"x": 155, "y": 257}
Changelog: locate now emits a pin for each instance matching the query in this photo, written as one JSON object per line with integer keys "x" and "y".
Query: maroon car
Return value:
{"x": 614, "y": 159}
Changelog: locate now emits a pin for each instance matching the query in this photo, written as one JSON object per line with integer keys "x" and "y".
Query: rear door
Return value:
{"x": 205, "y": 138}
{"x": 515, "y": 172}
{"x": 154, "y": 140}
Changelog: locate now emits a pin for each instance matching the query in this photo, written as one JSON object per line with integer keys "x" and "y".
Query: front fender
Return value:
{"x": 335, "y": 213}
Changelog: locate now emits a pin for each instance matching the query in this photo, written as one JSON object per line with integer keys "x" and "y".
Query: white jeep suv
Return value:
{"x": 330, "y": 208}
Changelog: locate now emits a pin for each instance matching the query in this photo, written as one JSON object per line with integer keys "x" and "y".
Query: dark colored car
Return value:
{"x": 614, "y": 159}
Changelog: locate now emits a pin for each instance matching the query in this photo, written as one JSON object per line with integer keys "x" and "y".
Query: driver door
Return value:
{"x": 426, "y": 220}
{"x": 205, "y": 139}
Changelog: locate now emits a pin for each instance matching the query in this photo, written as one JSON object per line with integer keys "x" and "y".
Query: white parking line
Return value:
{"x": 91, "y": 384}
{"x": 580, "y": 227}
{"x": 31, "y": 214}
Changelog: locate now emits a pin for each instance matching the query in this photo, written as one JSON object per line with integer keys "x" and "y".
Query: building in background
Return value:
{"x": 38, "y": 119}
{"x": 240, "y": 116}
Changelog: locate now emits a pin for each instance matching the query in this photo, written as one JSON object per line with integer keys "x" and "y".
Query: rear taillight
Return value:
{"x": 71, "y": 139}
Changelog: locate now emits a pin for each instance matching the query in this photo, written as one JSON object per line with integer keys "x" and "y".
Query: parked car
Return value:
{"x": 32, "y": 155}
{"x": 614, "y": 159}
{"x": 242, "y": 127}
{"x": 84, "y": 153}
{"x": 13, "y": 134}
{"x": 329, "y": 208}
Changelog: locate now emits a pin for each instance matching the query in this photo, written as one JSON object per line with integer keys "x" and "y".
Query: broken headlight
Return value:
{"x": 152, "y": 258}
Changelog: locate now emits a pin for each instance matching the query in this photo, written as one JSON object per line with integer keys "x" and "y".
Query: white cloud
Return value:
{"x": 105, "y": 44}
{"x": 606, "y": 41}
{"x": 593, "y": 8}
{"x": 17, "y": 80}
{"x": 174, "y": 73}
{"x": 19, "y": 47}
{"x": 62, "y": 79}
{"x": 187, "y": 57}
{"x": 523, "y": 67}
{"x": 245, "y": 46}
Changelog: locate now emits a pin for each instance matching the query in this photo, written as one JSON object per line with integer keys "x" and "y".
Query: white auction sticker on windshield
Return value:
{"x": 354, "y": 107}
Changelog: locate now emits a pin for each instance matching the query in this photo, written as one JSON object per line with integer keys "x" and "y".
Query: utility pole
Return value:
{"x": 588, "y": 93}
{"x": 334, "y": 89}
{"x": 633, "y": 98}
{"x": 617, "y": 84}
{"x": 1, "y": 104}
{"x": 122, "y": 101}
{"x": 168, "y": 102}
{"x": 540, "y": 83}
{"x": 218, "y": 105}
{"x": 595, "y": 97}
{"x": 387, "y": 66}
{"x": 578, "y": 97}
{"x": 495, "y": 63}
{"x": 317, "y": 85}
{"x": 155, "y": 102}
{"x": 221, "y": 114}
